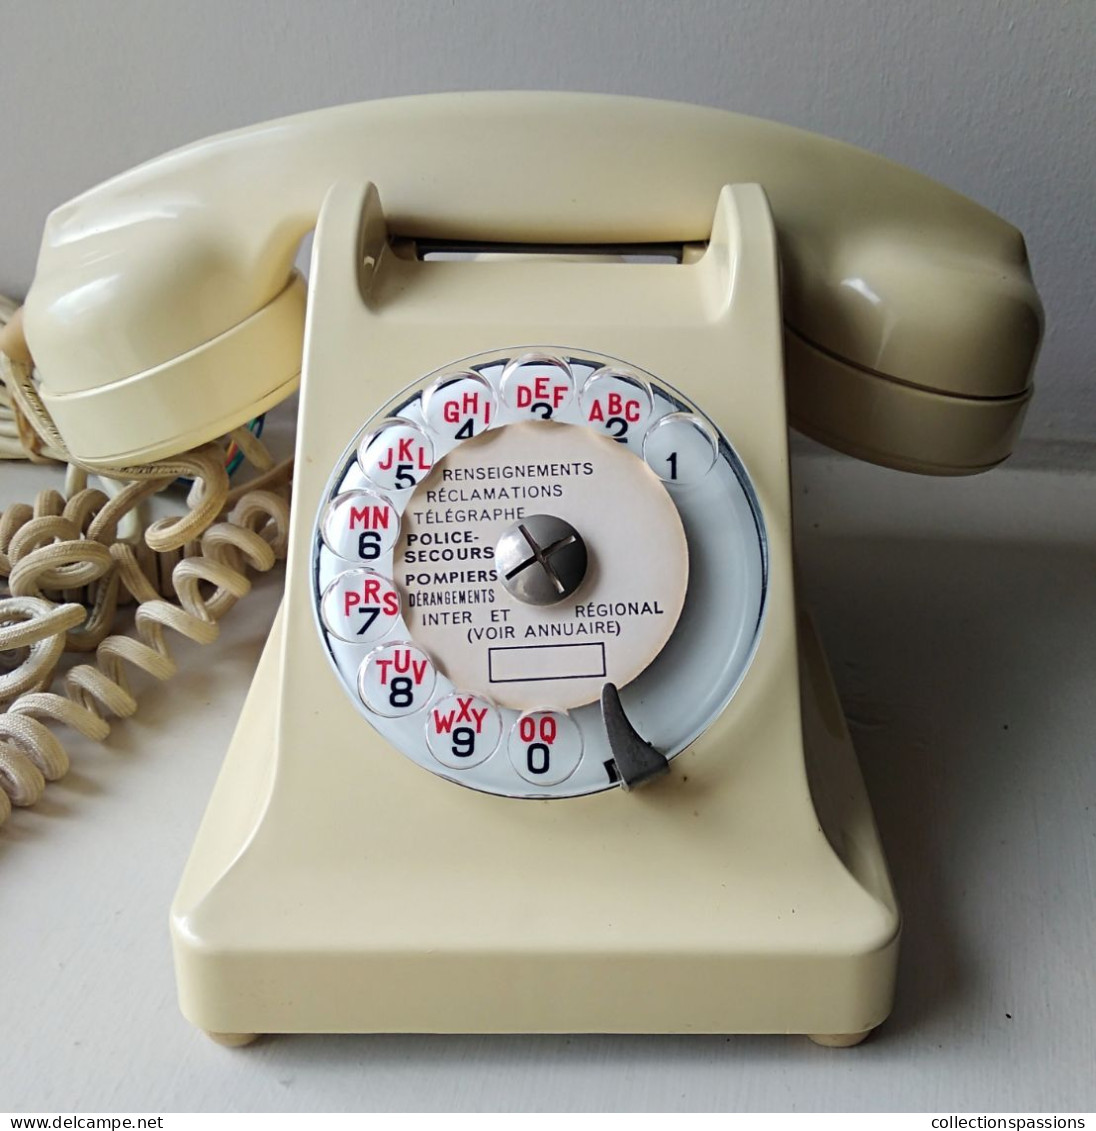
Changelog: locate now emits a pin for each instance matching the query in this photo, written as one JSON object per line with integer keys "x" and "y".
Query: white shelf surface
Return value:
{"x": 959, "y": 618}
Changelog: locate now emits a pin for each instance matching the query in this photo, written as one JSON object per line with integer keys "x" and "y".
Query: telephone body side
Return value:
{"x": 335, "y": 886}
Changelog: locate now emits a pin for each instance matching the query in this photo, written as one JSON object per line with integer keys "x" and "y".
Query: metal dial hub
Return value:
{"x": 541, "y": 559}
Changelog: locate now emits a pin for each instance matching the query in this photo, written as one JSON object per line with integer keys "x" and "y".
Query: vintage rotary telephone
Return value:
{"x": 541, "y": 547}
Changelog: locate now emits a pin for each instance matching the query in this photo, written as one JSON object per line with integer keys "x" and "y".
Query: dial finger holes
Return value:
{"x": 537, "y": 386}
{"x": 460, "y": 406}
{"x": 463, "y": 729}
{"x": 680, "y": 448}
{"x": 360, "y": 606}
{"x": 616, "y": 404}
{"x": 397, "y": 455}
{"x": 360, "y": 526}
{"x": 545, "y": 747}
{"x": 396, "y": 679}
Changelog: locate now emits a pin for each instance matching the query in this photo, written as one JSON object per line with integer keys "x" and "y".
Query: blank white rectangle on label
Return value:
{"x": 546, "y": 661}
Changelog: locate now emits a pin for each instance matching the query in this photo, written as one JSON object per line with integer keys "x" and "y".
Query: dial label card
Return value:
{"x": 514, "y": 483}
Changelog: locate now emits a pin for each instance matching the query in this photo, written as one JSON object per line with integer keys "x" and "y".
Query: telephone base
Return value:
{"x": 753, "y": 920}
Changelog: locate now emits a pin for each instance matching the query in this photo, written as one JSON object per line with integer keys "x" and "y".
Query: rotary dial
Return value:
{"x": 532, "y": 558}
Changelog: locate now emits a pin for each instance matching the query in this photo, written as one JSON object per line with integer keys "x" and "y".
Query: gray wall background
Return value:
{"x": 994, "y": 97}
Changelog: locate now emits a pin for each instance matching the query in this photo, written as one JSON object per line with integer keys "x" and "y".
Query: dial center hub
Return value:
{"x": 541, "y": 559}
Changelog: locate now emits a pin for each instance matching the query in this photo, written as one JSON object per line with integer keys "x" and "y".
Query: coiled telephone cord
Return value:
{"x": 68, "y": 572}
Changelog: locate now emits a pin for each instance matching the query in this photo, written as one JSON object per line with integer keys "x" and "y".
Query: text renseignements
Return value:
{"x": 517, "y": 471}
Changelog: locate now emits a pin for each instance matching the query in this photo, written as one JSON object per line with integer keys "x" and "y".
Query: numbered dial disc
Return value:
{"x": 516, "y": 531}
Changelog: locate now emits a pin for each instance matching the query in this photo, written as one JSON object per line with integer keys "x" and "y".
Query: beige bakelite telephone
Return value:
{"x": 539, "y": 742}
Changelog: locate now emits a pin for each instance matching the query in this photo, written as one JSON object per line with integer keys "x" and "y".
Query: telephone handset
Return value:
{"x": 542, "y": 544}
{"x": 911, "y": 319}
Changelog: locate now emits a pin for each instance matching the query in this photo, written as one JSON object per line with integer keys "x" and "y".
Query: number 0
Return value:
{"x": 537, "y": 758}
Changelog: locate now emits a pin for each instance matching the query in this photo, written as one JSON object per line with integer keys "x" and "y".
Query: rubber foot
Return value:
{"x": 839, "y": 1040}
{"x": 232, "y": 1040}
